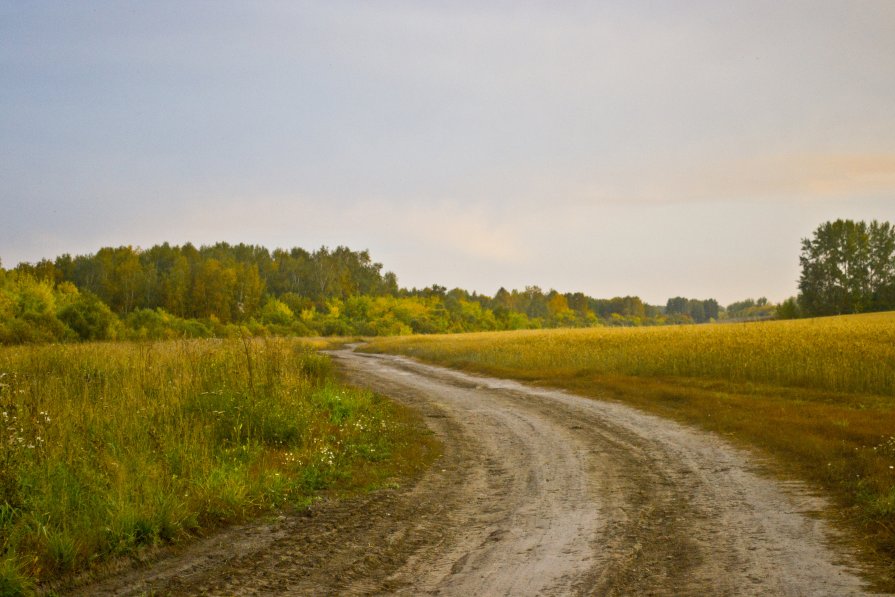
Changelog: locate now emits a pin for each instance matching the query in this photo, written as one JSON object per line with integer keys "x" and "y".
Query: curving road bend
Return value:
{"x": 566, "y": 495}
{"x": 538, "y": 492}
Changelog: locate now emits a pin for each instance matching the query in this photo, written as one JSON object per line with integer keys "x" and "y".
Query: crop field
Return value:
{"x": 854, "y": 354}
{"x": 107, "y": 449}
{"x": 815, "y": 395}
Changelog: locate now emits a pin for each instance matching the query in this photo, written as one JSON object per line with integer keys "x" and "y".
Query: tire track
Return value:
{"x": 675, "y": 510}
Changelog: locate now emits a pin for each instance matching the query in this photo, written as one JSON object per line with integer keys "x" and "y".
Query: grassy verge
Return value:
{"x": 816, "y": 396}
{"x": 108, "y": 448}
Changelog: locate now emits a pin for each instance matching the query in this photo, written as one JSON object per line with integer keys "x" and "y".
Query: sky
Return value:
{"x": 639, "y": 147}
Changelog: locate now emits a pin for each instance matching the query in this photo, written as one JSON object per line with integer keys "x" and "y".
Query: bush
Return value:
{"x": 789, "y": 309}
{"x": 89, "y": 317}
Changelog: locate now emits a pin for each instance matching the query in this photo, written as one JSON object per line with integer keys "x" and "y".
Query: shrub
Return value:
{"x": 89, "y": 317}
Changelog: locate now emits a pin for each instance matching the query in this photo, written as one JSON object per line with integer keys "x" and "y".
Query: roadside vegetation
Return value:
{"x": 107, "y": 449}
{"x": 818, "y": 395}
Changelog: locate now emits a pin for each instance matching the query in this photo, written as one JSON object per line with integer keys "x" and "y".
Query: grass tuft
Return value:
{"x": 13, "y": 580}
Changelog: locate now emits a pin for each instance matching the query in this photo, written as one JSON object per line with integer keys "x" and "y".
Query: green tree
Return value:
{"x": 89, "y": 317}
{"x": 882, "y": 266}
{"x": 249, "y": 288}
{"x": 677, "y": 306}
{"x": 277, "y": 313}
{"x": 847, "y": 267}
{"x": 558, "y": 310}
{"x": 28, "y": 308}
{"x": 121, "y": 278}
{"x": 578, "y": 302}
{"x": 212, "y": 292}
{"x": 175, "y": 286}
{"x": 789, "y": 309}
{"x": 533, "y": 302}
{"x": 712, "y": 309}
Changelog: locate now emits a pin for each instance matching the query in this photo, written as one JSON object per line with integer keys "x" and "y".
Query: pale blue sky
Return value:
{"x": 651, "y": 148}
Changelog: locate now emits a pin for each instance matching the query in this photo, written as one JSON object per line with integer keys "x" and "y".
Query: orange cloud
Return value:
{"x": 841, "y": 175}
{"x": 795, "y": 176}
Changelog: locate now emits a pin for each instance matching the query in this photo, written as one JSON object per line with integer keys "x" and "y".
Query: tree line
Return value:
{"x": 170, "y": 291}
{"x": 227, "y": 282}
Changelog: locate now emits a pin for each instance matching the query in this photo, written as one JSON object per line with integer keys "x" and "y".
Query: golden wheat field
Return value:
{"x": 854, "y": 354}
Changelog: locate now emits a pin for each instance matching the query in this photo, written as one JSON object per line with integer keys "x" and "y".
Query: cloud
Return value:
{"x": 802, "y": 176}
{"x": 847, "y": 175}
{"x": 797, "y": 176}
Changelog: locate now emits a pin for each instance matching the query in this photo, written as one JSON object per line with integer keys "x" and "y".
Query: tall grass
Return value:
{"x": 854, "y": 354}
{"x": 105, "y": 448}
{"x": 817, "y": 395}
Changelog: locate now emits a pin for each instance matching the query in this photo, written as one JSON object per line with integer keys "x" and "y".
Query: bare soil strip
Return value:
{"x": 539, "y": 492}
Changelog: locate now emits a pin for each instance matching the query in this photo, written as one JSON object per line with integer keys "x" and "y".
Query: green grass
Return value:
{"x": 108, "y": 448}
{"x": 816, "y": 396}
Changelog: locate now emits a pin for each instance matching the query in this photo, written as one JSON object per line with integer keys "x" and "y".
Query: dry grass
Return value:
{"x": 107, "y": 448}
{"x": 842, "y": 354}
{"x": 328, "y": 342}
{"x": 815, "y": 395}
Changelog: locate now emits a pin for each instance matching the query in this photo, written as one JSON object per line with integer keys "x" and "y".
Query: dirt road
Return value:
{"x": 538, "y": 493}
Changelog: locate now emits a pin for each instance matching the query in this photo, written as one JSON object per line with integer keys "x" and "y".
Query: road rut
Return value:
{"x": 539, "y": 492}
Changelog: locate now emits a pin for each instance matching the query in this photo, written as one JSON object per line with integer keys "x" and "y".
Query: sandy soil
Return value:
{"x": 539, "y": 492}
